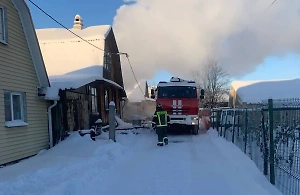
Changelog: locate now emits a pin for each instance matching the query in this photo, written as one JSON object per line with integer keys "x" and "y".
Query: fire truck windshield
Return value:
{"x": 177, "y": 92}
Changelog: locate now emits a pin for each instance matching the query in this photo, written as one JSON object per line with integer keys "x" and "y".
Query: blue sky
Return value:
{"x": 277, "y": 68}
{"x": 103, "y": 11}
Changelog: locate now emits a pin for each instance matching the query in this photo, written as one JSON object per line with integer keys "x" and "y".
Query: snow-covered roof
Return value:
{"x": 256, "y": 91}
{"x": 76, "y": 79}
{"x": 63, "y": 51}
{"x": 238, "y": 84}
{"x": 61, "y": 34}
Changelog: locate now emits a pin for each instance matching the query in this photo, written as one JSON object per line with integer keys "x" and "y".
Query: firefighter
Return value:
{"x": 161, "y": 120}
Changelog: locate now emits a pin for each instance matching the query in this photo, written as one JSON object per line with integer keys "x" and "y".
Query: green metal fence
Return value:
{"x": 270, "y": 135}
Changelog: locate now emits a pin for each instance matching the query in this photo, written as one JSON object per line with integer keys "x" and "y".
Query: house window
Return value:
{"x": 15, "y": 110}
{"x": 94, "y": 100}
{"x": 106, "y": 99}
{"x": 107, "y": 61}
{"x": 3, "y": 26}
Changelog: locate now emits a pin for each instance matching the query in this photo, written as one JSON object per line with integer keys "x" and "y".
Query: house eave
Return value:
{"x": 32, "y": 42}
{"x": 107, "y": 33}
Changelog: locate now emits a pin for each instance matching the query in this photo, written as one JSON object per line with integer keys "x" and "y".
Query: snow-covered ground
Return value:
{"x": 203, "y": 164}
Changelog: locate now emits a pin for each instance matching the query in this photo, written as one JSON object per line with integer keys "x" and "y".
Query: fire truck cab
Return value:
{"x": 180, "y": 99}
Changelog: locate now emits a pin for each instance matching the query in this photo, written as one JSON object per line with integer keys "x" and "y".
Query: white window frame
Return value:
{"x": 18, "y": 122}
{"x": 107, "y": 61}
{"x": 94, "y": 99}
{"x": 3, "y": 37}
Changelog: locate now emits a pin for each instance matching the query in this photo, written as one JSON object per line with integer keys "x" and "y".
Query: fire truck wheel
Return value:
{"x": 195, "y": 130}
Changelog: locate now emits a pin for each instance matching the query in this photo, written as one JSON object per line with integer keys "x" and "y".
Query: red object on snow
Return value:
{"x": 207, "y": 124}
{"x": 205, "y": 118}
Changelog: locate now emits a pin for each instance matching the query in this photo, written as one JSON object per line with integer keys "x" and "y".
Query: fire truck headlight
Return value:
{"x": 195, "y": 118}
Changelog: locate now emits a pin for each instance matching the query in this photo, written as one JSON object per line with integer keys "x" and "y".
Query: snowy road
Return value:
{"x": 190, "y": 166}
{"x": 203, "y": 164}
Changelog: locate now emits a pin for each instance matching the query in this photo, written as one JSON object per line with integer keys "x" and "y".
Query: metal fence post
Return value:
{"x": 225, "y": 125}
{"x": 221, "y": 123}
{"x": 246, "y": 131}
{"x": 265, "y": 144}
{"x": 238, "y": 125}
{"x": 212, "y": 118}
{"x": 218, "y": 116}
{"x": 271, "y": 129}
{"x": 233, "y": 126}
{"x": 112, "y": 121}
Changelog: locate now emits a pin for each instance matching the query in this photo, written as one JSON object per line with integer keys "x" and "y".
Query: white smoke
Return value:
{"x": 137, "y": 93}
{"x": 179, "y": 35}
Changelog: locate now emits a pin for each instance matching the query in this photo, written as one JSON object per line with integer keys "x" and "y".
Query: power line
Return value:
{"x": 271, "y": 4}
{"x": 64, "y": 26}
{"x": 134, "y": 74}
{"x": 120, "y": 53}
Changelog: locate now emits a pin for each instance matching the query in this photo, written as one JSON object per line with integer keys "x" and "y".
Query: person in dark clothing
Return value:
{"x": 161, "y": 120}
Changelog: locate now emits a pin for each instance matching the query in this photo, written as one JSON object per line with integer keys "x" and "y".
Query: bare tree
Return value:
{"x": 215, "y": 82}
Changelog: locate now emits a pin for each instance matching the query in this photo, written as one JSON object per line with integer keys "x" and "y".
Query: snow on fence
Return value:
{"x": 277, "y": 156}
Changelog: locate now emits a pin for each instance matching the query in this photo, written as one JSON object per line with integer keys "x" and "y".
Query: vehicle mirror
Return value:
{"x": 202, "y": 94}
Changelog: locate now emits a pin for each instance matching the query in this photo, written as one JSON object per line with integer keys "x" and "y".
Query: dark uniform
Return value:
{"x": 161, "y": 119}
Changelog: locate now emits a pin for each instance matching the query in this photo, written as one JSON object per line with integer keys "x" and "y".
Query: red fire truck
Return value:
{"x": 180, "y": 99}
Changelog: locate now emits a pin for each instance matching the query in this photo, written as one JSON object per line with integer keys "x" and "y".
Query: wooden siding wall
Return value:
{"x": 74, "y": 111}
{"x": 18, "y": 73}
{"x": 77, "y": 111}
{"x": 101, "y": 100}
{"x": 111, "y": 46}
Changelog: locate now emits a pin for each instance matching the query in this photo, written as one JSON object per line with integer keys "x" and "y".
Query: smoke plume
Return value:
{"x": 179, "y": 35}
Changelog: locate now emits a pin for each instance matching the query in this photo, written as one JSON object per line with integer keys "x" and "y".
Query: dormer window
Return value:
{"x": 107, "y": 61}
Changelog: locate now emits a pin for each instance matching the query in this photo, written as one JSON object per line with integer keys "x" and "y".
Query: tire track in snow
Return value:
{"x": 194, "y": 169}
{"x": 153, "y": 171}
{"x": 214, "y": 170}
{"x": 218, "y": 169}
{"x": 122, "y": 172}
{"x": 204, "y": 176}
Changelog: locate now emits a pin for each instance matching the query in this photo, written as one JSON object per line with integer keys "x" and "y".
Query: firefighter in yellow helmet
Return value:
{"x": 161, "y": 120}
